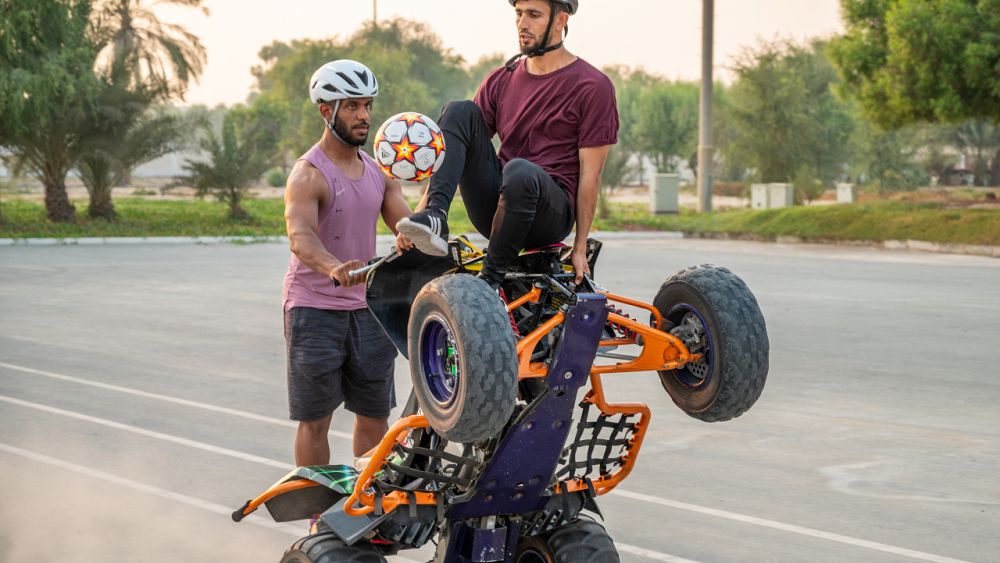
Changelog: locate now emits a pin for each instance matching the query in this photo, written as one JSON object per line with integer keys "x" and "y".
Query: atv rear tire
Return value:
{"x": 715, "y": 314}
{"x": 462, "y": 358}
{"x": 580, "y": 540}
{"x": 326, "y": 547}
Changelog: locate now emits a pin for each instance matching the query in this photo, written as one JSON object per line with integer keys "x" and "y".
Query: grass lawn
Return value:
{"x": 872, "y": 221}
{"x": 869, "y": 221}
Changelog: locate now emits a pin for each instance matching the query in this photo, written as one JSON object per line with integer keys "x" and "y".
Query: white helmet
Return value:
{"x": 340, "y": 80}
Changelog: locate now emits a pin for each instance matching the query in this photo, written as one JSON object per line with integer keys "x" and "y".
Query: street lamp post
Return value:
{"x": 705, "y": 148}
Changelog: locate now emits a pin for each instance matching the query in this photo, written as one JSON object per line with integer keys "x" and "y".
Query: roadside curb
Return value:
{"x": 907, "y": 245}
{"x": 88, "y": 241}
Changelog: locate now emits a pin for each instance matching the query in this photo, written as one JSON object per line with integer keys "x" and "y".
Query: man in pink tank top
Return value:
{"x": 337, "y": 351}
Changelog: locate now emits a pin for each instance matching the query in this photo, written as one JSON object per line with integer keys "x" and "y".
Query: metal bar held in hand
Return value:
{"x": 368, "y": 268}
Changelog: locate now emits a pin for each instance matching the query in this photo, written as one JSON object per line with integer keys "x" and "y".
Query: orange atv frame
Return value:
{"x": 660, "y": 351}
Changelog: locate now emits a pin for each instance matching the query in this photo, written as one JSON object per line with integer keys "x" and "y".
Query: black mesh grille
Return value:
{"x": 599, "y": 445}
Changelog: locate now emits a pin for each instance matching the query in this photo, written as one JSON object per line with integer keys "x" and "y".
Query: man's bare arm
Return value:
{"x": 591, "y": 164}
{"x": 394, "y": 208}
{"x": 305, "y": 193}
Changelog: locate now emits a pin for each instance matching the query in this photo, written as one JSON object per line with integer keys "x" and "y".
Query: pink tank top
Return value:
{"x": 347, "y": 230}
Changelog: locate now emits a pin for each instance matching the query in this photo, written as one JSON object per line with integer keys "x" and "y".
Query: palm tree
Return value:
{"x": 979, "y": 137}
{"x": 136, "y": 46}
{"x": 140, "y": 62}
{"x": 125, "y": 132}
{"x": 246, "y": 149}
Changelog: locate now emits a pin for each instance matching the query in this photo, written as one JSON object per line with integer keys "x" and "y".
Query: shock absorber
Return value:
{"x": 510, "y": 314}
{"x": 624, "y": 331}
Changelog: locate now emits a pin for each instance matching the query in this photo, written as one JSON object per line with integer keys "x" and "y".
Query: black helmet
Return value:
{"x": 570, "y": 5}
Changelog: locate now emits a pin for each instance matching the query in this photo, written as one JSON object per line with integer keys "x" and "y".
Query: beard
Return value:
{"x": 345, "y": 134}
{"x": 527, "y": 49}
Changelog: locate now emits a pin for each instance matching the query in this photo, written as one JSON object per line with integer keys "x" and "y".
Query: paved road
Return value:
{"x": 142, "y": 399}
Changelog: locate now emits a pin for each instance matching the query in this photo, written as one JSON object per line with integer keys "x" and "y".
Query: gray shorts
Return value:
{"x": 338, "y": 357}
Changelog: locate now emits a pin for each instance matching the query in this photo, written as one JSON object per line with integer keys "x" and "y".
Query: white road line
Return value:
{"x": 151, "y": 434}
{"x": 150, "y": 489}
{"x": 295, "y": 531}
{"x": 857, "y": 542}
{"x": 166, "y": 398}
{"x": 655, "y": 555}
{"x": 242, "y": 456}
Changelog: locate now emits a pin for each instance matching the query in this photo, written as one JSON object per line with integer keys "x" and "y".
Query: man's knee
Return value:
{"x": 521, "y": 180}
{"x": 371, "y": 423}
{"x": 314, "y": 429}
{"x": 458, "y": 111}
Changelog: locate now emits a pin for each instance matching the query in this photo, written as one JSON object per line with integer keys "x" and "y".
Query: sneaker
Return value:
{"x": 428, "y": 230}
{"x": 361, "y": 462}
{"x": 494, "y": 285}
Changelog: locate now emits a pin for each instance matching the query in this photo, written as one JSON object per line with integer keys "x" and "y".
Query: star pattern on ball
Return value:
{"x": 409, "y": 147}
{"x": 404, "y": 150}
{"x": 438, "y": 143}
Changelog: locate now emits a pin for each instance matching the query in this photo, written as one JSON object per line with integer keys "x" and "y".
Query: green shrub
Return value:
{"x": 807, "y": 187}
{"x": 276, "y": 178}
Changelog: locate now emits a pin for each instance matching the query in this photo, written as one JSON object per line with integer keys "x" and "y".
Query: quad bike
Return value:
{"x": 495, "y": 458}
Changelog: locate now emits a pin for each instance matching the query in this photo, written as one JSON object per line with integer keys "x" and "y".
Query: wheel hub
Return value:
{"x": 692, "y": 332}
{"x": 440, "y": 359}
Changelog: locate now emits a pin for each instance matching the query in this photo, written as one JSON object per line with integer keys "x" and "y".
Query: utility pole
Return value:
{"x": 375, "y": 12}
{"x": 705, "y": 149}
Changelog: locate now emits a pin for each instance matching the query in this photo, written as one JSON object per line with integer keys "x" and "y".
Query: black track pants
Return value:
{"x": 517, "y": 205}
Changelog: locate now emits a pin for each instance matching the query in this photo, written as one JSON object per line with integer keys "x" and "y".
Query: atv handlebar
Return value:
{"x": 371, "y": 266}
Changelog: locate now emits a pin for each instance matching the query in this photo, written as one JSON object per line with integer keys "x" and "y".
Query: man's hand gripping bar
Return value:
{"x": 368, "y": 268}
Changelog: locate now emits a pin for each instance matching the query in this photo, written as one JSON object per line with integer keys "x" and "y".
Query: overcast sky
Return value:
{"x": 662, "y": 36}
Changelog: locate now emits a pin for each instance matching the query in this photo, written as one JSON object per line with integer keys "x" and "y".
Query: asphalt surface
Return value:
{"x": 142, "y": 399}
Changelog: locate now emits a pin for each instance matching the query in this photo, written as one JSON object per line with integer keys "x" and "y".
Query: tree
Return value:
{"x": 629, "y": 86}
{"x": 414, "y": 71}
{"x": 784, "y": 115}
{"x": 624, "y": 158}
{"x": 936, "y": 156}
{"x": 616, "y": 168}
{"x": 666, "y": 123}
{"x": 727, "y": 166}
{"x": 245, "y": 150}
{"x": 3, "y": 186}
{"x": 979, "y": 138}
{"x": 479, "y": 71}
{"x": 888, "y": 158}
{"x": 124, "y": 136}
{"x": 141, "y": 62}
{"x": 139, "y": 48}
{"x": 909, "y": 61}
{"x": 46, "y": 88}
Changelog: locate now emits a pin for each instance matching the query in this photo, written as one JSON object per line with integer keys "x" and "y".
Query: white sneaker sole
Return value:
{"x": 423, "y": 238}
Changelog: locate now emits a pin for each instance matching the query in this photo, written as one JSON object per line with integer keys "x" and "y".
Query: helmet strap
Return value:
{"x": 543, "y": 47}
{"x": 330, "y": 124}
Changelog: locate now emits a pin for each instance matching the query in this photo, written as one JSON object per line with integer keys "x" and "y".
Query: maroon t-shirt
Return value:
{"x": 548, "y": 118}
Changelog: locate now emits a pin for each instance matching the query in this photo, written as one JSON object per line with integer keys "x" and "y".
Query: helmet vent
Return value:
{"x": 347, "y": 79}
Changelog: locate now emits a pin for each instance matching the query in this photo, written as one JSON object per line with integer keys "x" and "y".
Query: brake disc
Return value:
{"x": 691, "y": 332}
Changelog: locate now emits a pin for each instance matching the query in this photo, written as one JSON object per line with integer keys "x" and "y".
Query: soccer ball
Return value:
{"x": 409, "y": 146}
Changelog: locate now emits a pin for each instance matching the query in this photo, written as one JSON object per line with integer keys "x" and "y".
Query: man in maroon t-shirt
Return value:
{"x": 557, "y": 118}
